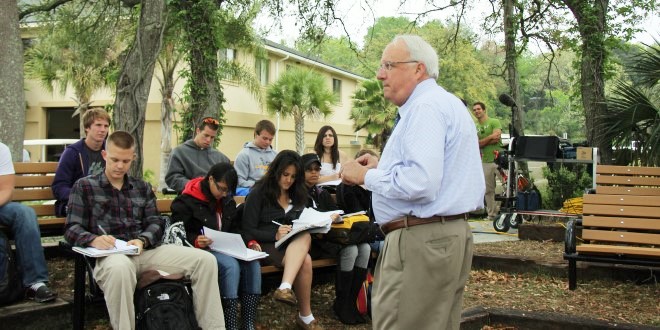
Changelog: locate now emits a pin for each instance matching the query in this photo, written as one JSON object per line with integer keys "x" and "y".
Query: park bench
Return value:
{"x": 32, "y": 185}
{"x": 620, "y": 222}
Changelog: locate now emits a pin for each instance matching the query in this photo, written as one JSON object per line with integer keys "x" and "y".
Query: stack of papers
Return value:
{"x": 231, "y": 245}
{"x": 121, "y": 247}
{"x": 310, "y": 220}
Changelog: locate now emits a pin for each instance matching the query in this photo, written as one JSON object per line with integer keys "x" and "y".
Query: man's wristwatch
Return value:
{"x": 145, "y": 241}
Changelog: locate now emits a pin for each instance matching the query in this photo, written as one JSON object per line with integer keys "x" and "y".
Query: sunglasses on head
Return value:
{"x": 209, "y": 120}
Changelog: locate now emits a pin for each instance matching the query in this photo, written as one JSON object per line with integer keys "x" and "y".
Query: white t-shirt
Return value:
{"x": 326, "y": 169}
{"x": 6, "y": 166}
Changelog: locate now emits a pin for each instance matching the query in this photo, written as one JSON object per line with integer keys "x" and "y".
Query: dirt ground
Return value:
{"x": 528, "y": 291}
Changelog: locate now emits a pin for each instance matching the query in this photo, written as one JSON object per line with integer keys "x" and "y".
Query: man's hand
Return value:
{"x": 104, "y": 242}
{"x": 353, "y": 172}
{"x": 136, "y": 242}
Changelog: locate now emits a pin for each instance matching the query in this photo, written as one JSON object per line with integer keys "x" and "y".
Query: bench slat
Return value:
{"x": 628, "y": 180}
{"x": 35, "y": 168}
{"x": 32, "y": 181}
{"x": 639, "y": 191}
{"x": 52, "y": 222}
{"x": 614, "y": 249}
{"x": 628, "y": 170}
{"x": 622, "y": 210}
{"x": 20, "y": 195}
{"x": 620, "y": 236}
{"x": 621, "y": 222}
{"x": 621, "y": 200}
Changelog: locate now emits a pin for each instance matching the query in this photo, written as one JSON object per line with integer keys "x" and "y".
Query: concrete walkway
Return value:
{"x": 484, "y": 232}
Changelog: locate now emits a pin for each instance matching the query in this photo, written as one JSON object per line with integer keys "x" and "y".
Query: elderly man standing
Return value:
{"x": 422, "y": 193}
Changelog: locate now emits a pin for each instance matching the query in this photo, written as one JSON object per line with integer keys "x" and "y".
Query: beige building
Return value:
{"x": 49, "y": 114}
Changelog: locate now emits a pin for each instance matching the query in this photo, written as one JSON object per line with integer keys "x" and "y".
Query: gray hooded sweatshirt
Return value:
{"x": 251, "y": 163}
{"x": 190, "y": 161}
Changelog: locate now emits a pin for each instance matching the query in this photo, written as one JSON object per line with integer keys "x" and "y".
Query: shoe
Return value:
{"x": 40, "y": 295}
{"x": 285, "y": 296}
{"x": 314, "y": 325}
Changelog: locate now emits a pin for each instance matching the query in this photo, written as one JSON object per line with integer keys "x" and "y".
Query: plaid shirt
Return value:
{"x": 126, "y": 214}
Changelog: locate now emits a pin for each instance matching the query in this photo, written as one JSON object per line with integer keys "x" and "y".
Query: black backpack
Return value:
{"x": 165, "y": 305}
{"x": 354, "y": 198}
{"x": 10, "y": 279}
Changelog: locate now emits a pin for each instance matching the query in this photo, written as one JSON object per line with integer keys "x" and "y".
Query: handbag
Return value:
{"x": 353, "y": 230}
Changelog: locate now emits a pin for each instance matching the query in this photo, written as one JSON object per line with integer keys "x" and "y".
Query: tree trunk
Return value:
{"x": 12, "y": 95}
{"x": 510, "y": 61}
{"x": 166, "y": 110}
{"x": 135, "y": 79}
{"x": 206, "y": 96}
{"x": 591, "y": 17}
{"x": 299, "y": 121}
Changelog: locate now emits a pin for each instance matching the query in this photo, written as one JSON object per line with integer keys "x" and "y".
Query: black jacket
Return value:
{"x": 196, "y": 213}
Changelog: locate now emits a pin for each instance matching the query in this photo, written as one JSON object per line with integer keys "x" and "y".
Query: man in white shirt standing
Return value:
{"x": 422, "y": 194}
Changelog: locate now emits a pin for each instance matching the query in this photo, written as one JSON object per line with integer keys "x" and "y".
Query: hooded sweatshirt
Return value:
{"x": 251, "y": 163}
{"x": 73, "y": 165}
{"x": 190, "y": 161}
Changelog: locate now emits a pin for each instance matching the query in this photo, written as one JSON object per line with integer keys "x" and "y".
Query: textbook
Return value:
{"x": 310, "y": 220}
{"x": 231, "y": 245}
{"x": 121, "y": 247}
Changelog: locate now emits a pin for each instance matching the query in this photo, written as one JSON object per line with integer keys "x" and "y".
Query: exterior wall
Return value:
{"x": 243, "y": 112}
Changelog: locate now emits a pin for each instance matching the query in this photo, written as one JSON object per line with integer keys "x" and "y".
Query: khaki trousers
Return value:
{"x": 117, "y": 276}
{"x": 420, "y": 277}
{"x": 490, "y": 172}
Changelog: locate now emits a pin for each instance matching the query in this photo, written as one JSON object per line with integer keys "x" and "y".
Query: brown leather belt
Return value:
{"x": 410, "y": 221}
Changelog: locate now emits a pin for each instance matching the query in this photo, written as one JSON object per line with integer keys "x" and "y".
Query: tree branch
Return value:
{"x": 41, "y": 8}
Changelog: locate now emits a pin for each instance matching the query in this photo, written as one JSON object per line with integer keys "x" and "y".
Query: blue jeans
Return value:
{"x": 22, "y": 222}
{"x": 231, "y": 272}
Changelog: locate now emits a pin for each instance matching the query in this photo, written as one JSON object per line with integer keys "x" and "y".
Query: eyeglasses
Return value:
{"x": 389, "y": 65}
{"x": 210, "y": 120}
{"x": 222, "y": 190}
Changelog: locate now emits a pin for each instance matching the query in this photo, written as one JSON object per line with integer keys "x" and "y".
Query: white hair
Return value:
{"x": 421, "y": 51}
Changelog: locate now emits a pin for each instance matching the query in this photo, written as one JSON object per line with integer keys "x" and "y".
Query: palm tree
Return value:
{"x": 300, "y": 93}
{"x": 80, "y": 52}
{"x": 371, "y": 111}
{"x": 632, "y": 119}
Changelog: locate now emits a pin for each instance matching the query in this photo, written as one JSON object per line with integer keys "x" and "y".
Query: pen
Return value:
{"x": 102, "y": 230}
{"x": 277, "y": 223}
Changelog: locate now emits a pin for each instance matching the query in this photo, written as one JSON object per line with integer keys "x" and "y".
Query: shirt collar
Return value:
{"x": 105, "y": 182}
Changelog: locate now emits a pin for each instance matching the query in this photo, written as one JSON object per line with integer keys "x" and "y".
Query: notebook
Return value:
{"x": 232, "y": 245}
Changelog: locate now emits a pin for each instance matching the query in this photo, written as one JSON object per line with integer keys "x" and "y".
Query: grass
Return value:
{"x": 604, "y": 299}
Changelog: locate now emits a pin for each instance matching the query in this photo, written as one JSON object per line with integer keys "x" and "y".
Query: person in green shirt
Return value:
{"x": 489, "y": 131}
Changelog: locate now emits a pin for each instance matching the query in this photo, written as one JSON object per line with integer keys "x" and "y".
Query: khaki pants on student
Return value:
{"x": 420, "y": 277}
{"x": 490, "y": 174}
{"x": 117, "y": 276}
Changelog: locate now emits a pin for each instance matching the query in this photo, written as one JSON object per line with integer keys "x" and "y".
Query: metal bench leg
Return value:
{"x": 572, "y": 274}
{"x": 78, "y": 314}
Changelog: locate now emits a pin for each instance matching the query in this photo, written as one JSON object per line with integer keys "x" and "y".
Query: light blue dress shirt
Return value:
{"x": 431, "y": 164}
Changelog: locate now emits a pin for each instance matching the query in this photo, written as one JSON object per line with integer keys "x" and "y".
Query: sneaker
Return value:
{"x": 285, "y": 296}
{"x": 40, "y": 295}
{"x": 314, "y": 325}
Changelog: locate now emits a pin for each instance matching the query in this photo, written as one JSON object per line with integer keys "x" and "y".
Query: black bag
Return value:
{"x": 355, "y": 229}
{"x": 353, "y": 199}
{"x": 10, "y": 279}
{"x": 165, "y": 305}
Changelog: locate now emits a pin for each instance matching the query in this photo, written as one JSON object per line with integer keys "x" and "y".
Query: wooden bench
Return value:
{"x": 620, "y": 222}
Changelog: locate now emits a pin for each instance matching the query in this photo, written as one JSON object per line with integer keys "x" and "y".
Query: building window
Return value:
{"x": 227, "y": 54}
{"x": 336, "y": 87}
{"x": 261, "y": 67}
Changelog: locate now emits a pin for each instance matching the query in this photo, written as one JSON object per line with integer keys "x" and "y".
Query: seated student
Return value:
{"x": 253, "y": 160}
{"x": 280, "y": 196}
{"x": 82, "y": 158}
{"x": 22, "y": 223}
{"x": 326, "y": 148}
{"x": 194, "y": 157}
{"x": 353, "y": 259}
{"x": 112, "y": 205}
{"x": 206, "y": 201}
